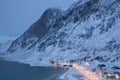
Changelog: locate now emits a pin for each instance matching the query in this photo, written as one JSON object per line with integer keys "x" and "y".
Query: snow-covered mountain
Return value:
{"x": 88, "y": 31}
{"x": 5, "y": 43}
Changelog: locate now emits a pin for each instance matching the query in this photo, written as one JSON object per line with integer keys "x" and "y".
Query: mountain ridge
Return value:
{"x": 36, "y": 30}
{"x": 87, "y": 31}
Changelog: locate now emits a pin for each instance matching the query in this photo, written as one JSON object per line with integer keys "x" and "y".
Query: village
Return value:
{"x": 94, "y": 74}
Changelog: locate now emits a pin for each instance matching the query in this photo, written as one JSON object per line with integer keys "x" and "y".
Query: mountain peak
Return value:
{"x": 37, "y": 30}
{"x": 88, "y": 31}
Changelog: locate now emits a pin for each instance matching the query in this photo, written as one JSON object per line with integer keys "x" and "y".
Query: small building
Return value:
{"x": 54, "y": 62}
{"x": 102, "y": 73}
{"x": 117, "y": 76}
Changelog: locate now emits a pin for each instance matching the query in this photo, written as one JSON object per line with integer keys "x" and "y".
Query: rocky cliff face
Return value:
{"x": 36, "y": 31}
{"x": 88, "y": 31}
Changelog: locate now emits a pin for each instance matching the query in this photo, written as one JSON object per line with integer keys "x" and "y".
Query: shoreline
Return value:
{"x": 56, "y": 71}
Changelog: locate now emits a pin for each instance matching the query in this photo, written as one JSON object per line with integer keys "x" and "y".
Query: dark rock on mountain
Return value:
{"x": 36, "y": 30}
{"x": 88, "y": 31}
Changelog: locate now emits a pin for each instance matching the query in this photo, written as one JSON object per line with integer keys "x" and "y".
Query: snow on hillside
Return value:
{"x": 5, "y": 43}
{"x": 88, "y": 31}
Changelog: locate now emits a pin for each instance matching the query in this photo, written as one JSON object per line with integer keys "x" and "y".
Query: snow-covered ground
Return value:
{"x": 73, "y": 74}
{"x": 82, "y": 33}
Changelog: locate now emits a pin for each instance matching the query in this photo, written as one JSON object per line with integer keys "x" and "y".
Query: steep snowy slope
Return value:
{"x": 36, "y": 30}
{"x": 88, "y": 31}
{"x": 5, "y": 43}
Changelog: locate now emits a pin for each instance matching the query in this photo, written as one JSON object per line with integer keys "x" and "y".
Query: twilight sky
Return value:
{"x": 17, "y": 15}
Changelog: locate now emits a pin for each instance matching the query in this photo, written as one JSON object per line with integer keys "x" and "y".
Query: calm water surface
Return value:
{"x": 17, "y": 71}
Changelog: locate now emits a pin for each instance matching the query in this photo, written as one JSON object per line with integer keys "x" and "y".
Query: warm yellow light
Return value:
{"x": 88, "y": 74}
{"x": 54, "y": 63}
{"x": 65, "y": 62}
{"x": 117, "y": 76}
